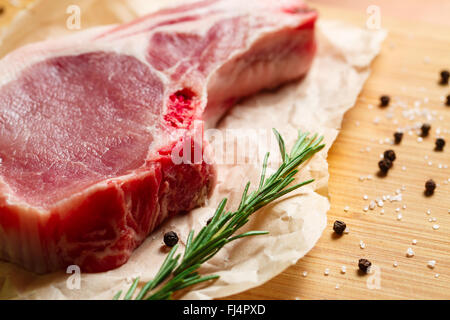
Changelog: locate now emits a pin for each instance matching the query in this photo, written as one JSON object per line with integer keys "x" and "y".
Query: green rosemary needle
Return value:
{"x": 181, "y": 271}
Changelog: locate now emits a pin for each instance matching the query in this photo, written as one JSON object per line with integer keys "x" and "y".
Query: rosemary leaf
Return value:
{"x": 182, "y": 271}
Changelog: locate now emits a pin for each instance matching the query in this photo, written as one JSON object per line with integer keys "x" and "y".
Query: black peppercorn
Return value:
{"x": 430, "y": 186}
{"x": 448, "y": 101}
{"x": 384, "y": 101}
{"x": 385, "y": 165}
{"x": 445, "y": 75}
{"x": 390, "y": 155}
{"x": 209, "y": 221}
{"x": 364, "y": 265}
{"x": 339, "y": 227}
{"x": 170, "y": 238}
{"x": 425, "y": 129}
{"x": 440, "y": 143}
{"x": 398, "y": 136}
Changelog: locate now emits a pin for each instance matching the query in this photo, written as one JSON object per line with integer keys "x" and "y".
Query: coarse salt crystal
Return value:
{"x": 346, "y": 208}
{"x": 436, "y": 227}
{"x": 326, "y": 272}
{"x": 410, "y": 253}
{"x": 343, "y": 269}
{"x": 414, "y": 242}
{"x": 362, "y": 245}
{"x": 305, "y": 273}
{"x": 431, "y": 264}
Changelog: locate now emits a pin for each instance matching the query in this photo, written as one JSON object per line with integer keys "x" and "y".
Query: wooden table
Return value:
{"x": 407, "y": 68}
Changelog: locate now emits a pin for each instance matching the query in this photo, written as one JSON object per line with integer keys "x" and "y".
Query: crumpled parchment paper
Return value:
{"x": 317, "y": 104}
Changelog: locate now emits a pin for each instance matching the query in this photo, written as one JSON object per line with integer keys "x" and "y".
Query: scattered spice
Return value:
{"x": 445, "y": 75}
{"x": 170, "y": 238}
{"x": 385, "y": 165}
{"x": 209, "y": 221}
{"x": 390, "y": 154}
{"x": 440, "y": 143}
{"x": 339, "y": 227}
{"x": 398, "y": 136}
{"x": 2, "y": 10}
{"x": 425, "y": 130}
{"x": 364, "y": 265}
{"x": 430, "y": 186}
{"x": 448, "y": 101}
{"x": 384, "y": 100}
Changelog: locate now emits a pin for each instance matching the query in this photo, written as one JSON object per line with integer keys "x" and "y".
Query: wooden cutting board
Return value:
{"x": 407, "y": 70}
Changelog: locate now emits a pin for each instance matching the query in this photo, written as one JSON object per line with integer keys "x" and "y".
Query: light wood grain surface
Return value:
{"x": 407, "y": 70}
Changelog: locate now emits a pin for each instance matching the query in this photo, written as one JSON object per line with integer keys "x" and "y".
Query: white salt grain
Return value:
{"x": 362, "y": 245}
{"x": 436, "y": 227}
{"x": 326, "y": 272}
{"x": 414, "y": 242}
{"x": 305, "y": 274}
{"x": 410, "y": 253}
{"x": 431, "y": 264}
{"x": 343, "y": 269}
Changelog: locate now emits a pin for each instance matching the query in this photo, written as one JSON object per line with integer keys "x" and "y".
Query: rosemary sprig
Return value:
{"x": 179, "y": 272}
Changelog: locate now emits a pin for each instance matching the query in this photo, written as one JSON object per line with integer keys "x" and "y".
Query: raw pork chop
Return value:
{"x": 88, "y": 123}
